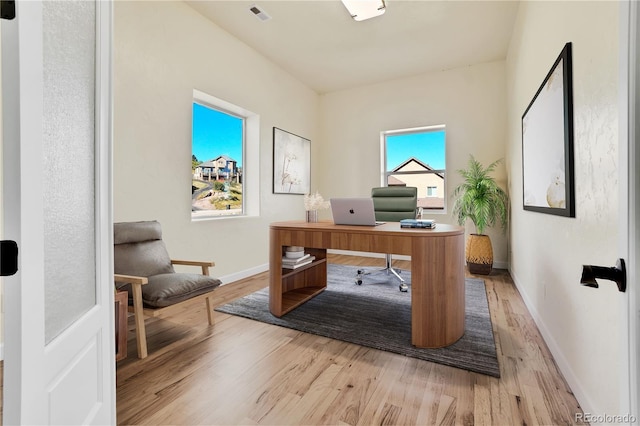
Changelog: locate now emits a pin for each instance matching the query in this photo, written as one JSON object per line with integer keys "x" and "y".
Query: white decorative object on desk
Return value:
{"x": 313, "y": 203}
{"x": 312, "y": 215}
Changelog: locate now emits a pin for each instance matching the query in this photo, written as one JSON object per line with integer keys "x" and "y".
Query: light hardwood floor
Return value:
{"x": 240, "y": 371}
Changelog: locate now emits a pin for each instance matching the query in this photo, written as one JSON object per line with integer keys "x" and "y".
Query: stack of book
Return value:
{"x": 418, "y": 223}
{"x": 295, "y": 257}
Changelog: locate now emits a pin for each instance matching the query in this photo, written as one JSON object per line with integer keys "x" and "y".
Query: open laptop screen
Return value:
{"x": 353, "y": 211}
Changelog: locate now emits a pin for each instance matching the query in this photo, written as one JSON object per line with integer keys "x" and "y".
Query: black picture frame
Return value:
{"x": 547, "y": 143}
{"x": 291, "y": 163}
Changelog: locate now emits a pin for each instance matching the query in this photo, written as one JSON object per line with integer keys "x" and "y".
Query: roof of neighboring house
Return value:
{"x": 394, "y": 181}
{"x": 212, "y": 163}
{"x": 225, "y": 157}
{"x": 410, "y": 159}
{"x": 420, "y": 163}
{"x": 206, "y": 164}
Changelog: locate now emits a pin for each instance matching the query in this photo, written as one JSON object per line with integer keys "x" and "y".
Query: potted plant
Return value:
{"x": 480, "y": 199}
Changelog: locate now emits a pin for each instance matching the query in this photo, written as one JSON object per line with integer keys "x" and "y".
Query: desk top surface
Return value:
{"x": 441, "y": 229}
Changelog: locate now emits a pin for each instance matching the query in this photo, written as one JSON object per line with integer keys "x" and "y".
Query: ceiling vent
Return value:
{"x": 260, "y": 13}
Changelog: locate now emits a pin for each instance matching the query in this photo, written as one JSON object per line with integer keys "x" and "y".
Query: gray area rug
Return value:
{"x": 377, "y": 315}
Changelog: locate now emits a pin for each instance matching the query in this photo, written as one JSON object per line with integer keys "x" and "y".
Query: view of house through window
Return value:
{"x": 416, "y": 157}
{"x": 216, "y": 162}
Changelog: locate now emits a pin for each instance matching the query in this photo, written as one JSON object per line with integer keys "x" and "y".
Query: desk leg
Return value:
{"x": 275, "y": 273}
{"x": 437, "y": 291}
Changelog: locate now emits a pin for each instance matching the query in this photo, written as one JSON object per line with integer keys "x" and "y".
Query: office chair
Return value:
{"x": 392, "y": 204}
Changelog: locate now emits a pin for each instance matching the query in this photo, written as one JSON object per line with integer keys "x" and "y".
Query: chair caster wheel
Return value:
{"x": 360, "y": 271}
{"x": 359, "y": 282}
{"x": 403, "y": 287}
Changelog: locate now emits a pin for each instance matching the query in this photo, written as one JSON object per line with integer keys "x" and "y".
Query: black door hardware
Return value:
{"x": 7, "y": 9}
{"x": 617, "y": 274}
{"x": 8, "y": 258}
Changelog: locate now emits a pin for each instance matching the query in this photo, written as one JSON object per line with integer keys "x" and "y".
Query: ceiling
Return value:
{"x": 318, "y": 43}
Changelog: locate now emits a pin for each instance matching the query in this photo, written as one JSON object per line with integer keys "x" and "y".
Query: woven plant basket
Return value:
{"x": 479, "y": 254}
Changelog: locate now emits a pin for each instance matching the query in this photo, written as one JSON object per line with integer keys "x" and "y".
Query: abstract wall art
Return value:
{"x": 291, "y": 163}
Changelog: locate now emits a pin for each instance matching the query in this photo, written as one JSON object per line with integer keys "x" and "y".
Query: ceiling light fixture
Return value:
{"x": 364, "y": 9}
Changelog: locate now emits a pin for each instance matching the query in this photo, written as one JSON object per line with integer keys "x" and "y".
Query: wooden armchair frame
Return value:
{"x": 139, "y": 311}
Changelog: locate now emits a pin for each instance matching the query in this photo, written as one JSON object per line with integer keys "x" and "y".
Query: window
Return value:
{"x": 221, "y": 133}
{"x": 416, "y": 157}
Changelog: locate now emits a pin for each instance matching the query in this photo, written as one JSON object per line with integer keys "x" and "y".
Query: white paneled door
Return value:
{"x": 59, "y": 363}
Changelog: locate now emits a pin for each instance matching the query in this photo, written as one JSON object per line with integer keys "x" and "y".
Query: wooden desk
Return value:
{"x": 437, "y": 270}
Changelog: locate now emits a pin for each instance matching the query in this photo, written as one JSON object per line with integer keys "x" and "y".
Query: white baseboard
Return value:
{"x": 226, "y": 279}
{"x": 565, "y": 367}
{"x": 500, "y": 264}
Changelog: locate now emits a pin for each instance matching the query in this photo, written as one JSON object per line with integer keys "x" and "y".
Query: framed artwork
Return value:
{"x": 547, "y": 143}
{"x": 291, "y": 163}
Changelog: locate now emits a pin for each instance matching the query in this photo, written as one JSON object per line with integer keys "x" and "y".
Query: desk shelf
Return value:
{"x": 293, "y": 298}
{"x": 287, "y": 272}
{"x": 296, "y": 286}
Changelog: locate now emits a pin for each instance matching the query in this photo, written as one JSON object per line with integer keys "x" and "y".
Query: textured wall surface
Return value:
{"x": 547, "y": 252}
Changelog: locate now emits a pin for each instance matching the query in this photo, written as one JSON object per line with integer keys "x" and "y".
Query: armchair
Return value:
{"x": 143, "y": 268}
{"x": 392, "y": 204}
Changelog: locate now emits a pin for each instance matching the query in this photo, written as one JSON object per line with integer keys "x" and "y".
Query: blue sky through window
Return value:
{"x": 216, "y": 133}
{"x": 428, "y": 147}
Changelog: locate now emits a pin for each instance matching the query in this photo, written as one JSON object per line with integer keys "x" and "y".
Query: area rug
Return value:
{"x": 377, "y": 315}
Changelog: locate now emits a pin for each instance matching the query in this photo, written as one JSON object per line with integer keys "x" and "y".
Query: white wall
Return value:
{"x": 470, "y": 101}
{"x": 163, "y": 50}
{"x": 547, "y": 252}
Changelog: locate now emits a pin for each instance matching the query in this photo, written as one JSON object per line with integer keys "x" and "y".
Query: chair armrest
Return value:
{"x": 204, "y": 265}
{"x": 132, "y": 279}
{"x": 191, "y": 263}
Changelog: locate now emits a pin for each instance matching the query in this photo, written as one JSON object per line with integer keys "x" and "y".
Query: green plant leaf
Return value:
{"x": 479, "y": 198}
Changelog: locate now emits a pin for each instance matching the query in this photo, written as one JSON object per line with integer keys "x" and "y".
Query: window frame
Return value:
{"x": 250, "y": 144}
{"x": 384, "y": 176}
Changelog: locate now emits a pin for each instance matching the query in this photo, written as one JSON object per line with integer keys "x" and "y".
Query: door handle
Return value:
{"x": 8, "y": 258}
{"x": 7, "y": 9}
{"x": 618, "y": 274}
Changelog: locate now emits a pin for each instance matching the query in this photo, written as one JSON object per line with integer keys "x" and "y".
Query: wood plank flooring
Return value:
{"x": 240, "y": 371}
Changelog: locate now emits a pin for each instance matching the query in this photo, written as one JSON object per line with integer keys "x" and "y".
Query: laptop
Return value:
{"x": 353, "y": 211}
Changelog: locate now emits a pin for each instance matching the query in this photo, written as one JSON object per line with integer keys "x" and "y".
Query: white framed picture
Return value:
{"x": 291, "y": 163}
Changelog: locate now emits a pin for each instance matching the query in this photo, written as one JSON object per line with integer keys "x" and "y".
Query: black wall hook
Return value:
{"x": 617, "y": 274}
